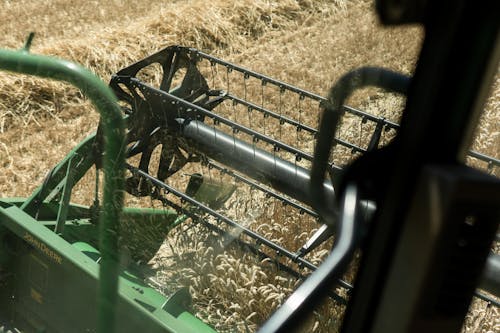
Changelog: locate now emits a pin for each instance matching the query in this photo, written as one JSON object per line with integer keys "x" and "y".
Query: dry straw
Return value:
{"x": 306, "y": 43}
{"x": 223, "y": 26}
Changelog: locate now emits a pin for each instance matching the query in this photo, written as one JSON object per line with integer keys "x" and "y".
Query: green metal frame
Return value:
{"x": 45, "y": 225}
{"x": 114, "y": 133}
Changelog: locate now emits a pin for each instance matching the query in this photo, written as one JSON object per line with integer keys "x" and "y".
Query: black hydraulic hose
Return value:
{"x": 359, "y": 78}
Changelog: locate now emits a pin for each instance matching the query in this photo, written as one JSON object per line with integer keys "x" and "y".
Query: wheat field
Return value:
{"x": 309, "y": 44}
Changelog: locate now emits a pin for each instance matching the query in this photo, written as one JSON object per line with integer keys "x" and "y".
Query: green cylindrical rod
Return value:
{"x": 114, "y": 134}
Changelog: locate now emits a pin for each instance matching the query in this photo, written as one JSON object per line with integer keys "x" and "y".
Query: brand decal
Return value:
{"x": 43, "y": 248}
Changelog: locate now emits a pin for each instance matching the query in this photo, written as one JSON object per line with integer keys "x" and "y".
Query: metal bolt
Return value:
{"x": 470, "y": 220}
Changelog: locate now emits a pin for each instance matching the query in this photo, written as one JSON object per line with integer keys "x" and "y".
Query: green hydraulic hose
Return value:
{"x": 114, "y": 134}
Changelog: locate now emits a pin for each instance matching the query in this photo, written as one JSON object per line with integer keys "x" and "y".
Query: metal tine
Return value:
{"x": 96, "y": 188}
{"x": 245, "y": 81}
{"x": 299, "y": 107}
{"x": 210, "y": 171}
{"x": 360, "y": 135}
{"x": 263, "y": 85}
{"x": 221, "y": 218}
{"x": 263, "y": 101}
{"x": 274, "y": 157}
{"x": 251, "y": 195}
{"x": 228, "y": 71}
{"x": 213, "y": 69}
{"x": 263, "y": 78}
{"x": 283, "y": 118}
{"x": 282, "y": 91}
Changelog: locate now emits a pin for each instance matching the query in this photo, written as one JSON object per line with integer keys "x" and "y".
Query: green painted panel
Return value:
{"x": 54, "y": 286}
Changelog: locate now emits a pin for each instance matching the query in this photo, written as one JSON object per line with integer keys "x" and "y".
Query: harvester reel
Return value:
{"x": 243, "y": 134}
{"x": 150, "y": 122}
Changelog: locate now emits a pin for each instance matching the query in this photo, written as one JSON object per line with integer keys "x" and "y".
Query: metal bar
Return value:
{"x": 183, "y": 105}
{"x": 375, "y": 119}
{"x": 219, "y": 217}
{"x": 54, "y": 180}
{"x": 66, "y": 196}
{"x": 322, "y": 100}
{"x": 113, "y": 126}
{"x": 337, "y": 298}
{"x": 253, "y": 248}
{"x": 309, "y": 293}
{"x": 195, "y": 56}
{"x": 487, "y": 298}
{"x": 303, "y": 299}
{"x": 293, "y": 122}
{"x": 284, "y": 176}
{"x": 484, "y": 158}
{"x": 271, "y": 113}
{"x": 302, "y": 209}
{"x": 294, "y": 89}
